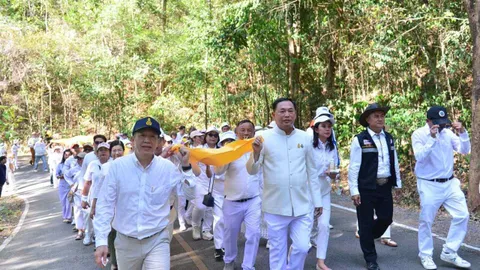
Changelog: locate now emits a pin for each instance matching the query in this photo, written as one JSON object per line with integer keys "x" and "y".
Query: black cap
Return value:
{"x": 438, "y": 115}
{"x": 147, "y": 122}
{"x": 369, "y": 110}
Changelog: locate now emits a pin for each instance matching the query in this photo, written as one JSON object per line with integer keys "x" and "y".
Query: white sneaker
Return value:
{"x": 196, "y": 233}
{"x": 454, "y": 259}
{"x": 35, "y": 170}
{"x": 182, "y": 228}
{"x": 207, "y": 236}
{"x": 330, "y": 226}
{"x": 428, "y": 263}
{"x": 87, "y": 240}
{"x": 267, "y": 246}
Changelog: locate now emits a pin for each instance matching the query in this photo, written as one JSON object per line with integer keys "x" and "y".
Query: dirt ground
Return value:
{"x": 11, "y": 208}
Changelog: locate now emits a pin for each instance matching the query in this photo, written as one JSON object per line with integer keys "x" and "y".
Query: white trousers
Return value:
{"x": 432, "y": 196}
{"x": 180, "y": 203}
{"x": 218, "y": 222}
{"x": 279, "y": 228}
{"x": 78, "y": 212}
{"x": 234, "y": 213}
{"x": 15, "y": 160}
{"x": 148, "y": 254}
{"x": 199, "y": 212}
{"x": 321, "y": 229}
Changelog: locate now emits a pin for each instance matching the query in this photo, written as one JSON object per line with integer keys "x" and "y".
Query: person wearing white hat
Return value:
{"x": 212, "y": 139}
{"x": 242, "y": 202}
{"x": 15, "y": 148}
{"x": 291, "y": 191}
{"x": 224, "y": 127}
{"x": 326, "y": 157}
{"x": 200, "y": 211}
{"x": 54, "y": 158}
{"x": 434, "y": 145}
{"x": 93, "y": 176}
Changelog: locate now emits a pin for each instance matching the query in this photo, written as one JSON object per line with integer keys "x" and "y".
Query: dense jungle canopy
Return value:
{"x": 86, "y": 66}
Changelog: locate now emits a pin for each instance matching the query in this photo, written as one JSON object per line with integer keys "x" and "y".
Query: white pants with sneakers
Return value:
{"x": 180, "y": 203}
{"x": 279, "y": 228}
{"x": 234, "y": 214}
{"x": 218, "y": 222}
{"x": 147, "y": 254}
{"x": 78, "y": 211}
{"x": 199, "y": 212}
{"x": 432, "y": 196}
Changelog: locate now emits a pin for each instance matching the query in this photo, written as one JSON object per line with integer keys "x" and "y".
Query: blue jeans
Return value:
{"x": 44, "y": 160}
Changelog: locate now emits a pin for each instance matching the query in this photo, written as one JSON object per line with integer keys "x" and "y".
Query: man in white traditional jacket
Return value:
{"x": 291, "y": 193}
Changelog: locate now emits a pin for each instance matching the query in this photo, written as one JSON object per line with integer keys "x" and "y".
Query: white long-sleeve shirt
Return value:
{"x": 383, "y": 170}
{"x": 435, "y": 155}
{"x": 239, "y": 184}
{"x": 95, "y": 174}
{"x": 322, "y": 162}
{"x": 138, "y": 197}
{"x": 290, "y": 179}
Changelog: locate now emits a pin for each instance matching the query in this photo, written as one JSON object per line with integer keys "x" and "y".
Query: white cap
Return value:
{"x": 322, "y": 114}
{"x": 167, "y": 138}
{"x": 212, "y": 128}
{"x": 103, "y": 145}
{"x": 227, "y": 135}
{"x": 196, "y": 133}
{"x": 225, "y": 124}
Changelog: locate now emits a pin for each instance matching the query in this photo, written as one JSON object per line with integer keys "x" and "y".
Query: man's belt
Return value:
{"x": 244, "y": 200}
{"x": 382, "y": 181}
{"x": 142, "y": 238}
{"x": 440, "y": 180}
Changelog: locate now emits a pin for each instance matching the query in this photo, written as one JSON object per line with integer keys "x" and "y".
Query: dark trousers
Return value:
{"x": 32, "y": 152}
{"x": 380, "y": 202}
{"x": 1, "y": 187}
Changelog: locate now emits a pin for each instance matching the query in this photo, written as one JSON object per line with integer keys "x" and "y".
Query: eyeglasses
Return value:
{"x": 213, "y": 135}
{"x": 98, "y": 142}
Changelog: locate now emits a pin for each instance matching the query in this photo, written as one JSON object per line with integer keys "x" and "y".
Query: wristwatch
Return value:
{"x": 189, "y": 167}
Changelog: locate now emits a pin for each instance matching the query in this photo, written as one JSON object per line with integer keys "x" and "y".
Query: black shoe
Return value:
{"x": 373, "y": 266}
{"x": 219, "y": 255}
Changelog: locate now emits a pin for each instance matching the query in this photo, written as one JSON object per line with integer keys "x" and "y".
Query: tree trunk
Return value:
{"x": 293, "y": 13}
{"x": 473, "y": 9}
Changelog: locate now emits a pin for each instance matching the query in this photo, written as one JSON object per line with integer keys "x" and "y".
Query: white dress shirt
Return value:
{"x": 291, "y": 186}
{"x": 435, "y": 155}
{"x": 239, "y": 184}
{"x": 101, "y": 179}
{"x": 383, "y": 170}
{"x": 322, "y": 162}
{"x": 71, "y": 175}
{"x": 137, "y": 197}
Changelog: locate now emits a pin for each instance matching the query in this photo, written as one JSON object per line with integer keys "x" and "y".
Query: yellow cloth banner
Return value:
{"x": 219, "y": 156}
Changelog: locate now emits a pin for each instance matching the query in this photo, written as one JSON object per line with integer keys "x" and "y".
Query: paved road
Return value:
{"x": 44, "y": 242}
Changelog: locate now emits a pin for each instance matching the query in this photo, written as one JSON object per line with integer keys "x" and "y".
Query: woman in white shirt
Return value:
{"x": 326, "y": 156}
{"x": 212, "y": 138}
{"x": 199, "y": 209}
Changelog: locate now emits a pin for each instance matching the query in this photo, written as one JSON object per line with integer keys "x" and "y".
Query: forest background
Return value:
{"x": 90, "y": 66}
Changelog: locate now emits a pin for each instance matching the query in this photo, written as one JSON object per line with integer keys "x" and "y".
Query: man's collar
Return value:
{"x": 371, "y": 132}
{"x": 137, "y": 162}
{"x": 281, "y": 132}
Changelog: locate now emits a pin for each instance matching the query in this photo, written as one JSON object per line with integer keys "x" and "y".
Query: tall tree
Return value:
{"x": 473, "y": 9}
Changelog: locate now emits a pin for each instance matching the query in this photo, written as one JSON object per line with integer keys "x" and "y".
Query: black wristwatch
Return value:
{"x": 189, "y": 167}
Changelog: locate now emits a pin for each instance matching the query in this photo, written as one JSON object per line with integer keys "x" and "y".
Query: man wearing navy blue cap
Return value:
{"x": 433, "y": 145}
{"x": 135, "y": 195}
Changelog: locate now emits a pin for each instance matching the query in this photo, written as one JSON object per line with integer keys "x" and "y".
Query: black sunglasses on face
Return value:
{"x": 213, "y": 135}
{"x": 98, "y": 142}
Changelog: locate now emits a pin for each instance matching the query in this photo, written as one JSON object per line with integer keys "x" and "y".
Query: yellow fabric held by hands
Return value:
{"x": 219, "y": 156}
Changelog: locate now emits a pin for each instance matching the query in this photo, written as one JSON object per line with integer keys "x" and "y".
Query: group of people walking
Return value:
{"x": 127, "y": 203}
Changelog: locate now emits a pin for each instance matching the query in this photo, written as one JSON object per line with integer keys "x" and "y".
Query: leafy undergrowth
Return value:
{"x": 11, "y": 209}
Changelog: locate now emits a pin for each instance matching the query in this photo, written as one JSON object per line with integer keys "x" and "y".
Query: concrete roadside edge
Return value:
{"x": 19, "y": 224}
{"x": 405, "y": 227}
